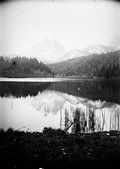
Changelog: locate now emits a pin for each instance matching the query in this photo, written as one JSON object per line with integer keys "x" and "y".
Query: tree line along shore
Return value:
{"x": 105, "y": 65}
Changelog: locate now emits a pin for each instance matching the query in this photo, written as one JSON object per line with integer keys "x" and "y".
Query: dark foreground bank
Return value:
{"x": 57, "y": 149}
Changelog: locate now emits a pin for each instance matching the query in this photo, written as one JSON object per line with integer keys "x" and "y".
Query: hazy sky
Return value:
{"x": 74, "y": 24}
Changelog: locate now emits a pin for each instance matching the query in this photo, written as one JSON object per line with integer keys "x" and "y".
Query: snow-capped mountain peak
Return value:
{"x": 46, "y": 50}
{"x": 98, "y": 49}
{"x": 93, "y": 49}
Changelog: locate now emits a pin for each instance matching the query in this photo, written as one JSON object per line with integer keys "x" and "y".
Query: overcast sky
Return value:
{"x": 74, "y": 24}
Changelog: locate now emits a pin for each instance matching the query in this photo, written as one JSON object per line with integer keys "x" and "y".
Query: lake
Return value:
{"x": 72, "y": 105}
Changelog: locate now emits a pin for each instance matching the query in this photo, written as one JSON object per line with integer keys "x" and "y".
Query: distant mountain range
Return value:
{"x": 53, "y": 51}
{"x": 92, "y": 61}
{"x": 97, "y": 49}
{"x": 47, "y": 51}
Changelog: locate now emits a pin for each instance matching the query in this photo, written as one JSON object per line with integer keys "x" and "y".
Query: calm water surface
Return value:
{"x": 72, "y": 105}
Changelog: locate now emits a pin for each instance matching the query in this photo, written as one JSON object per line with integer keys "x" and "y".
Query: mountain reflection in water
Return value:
{"x": 58, "y": 110}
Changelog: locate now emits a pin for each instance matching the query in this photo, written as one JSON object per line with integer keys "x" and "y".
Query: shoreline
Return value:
{"x": 52, "y": 79}
{"x": 57, "y": 149}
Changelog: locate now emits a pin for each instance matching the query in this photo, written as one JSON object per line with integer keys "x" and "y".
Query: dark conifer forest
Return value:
{"x": 95, "y": 65}
{"x": 105, "y": 65}
{"x": 23, "y": 67}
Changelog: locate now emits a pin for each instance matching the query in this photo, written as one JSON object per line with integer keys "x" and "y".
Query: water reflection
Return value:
{"x": 87, "y": 117}
{"x": 108, "y": 90}
{"x": 22, "y": 89}
{"x": 58, "y": 110}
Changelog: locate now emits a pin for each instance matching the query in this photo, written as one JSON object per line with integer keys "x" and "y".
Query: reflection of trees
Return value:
{"x": 24, "y": 89}
{"x": 68, "y": 121}
{"x": 76, "y": 126}
{"x": 89, "y": 120}
{"x": 83, "y": 121}
{"x": 108, "y": 90}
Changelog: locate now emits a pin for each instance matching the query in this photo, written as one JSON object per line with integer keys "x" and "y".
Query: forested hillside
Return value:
{"x": 23, "y": 67}
{"x": 95, "y": 65}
